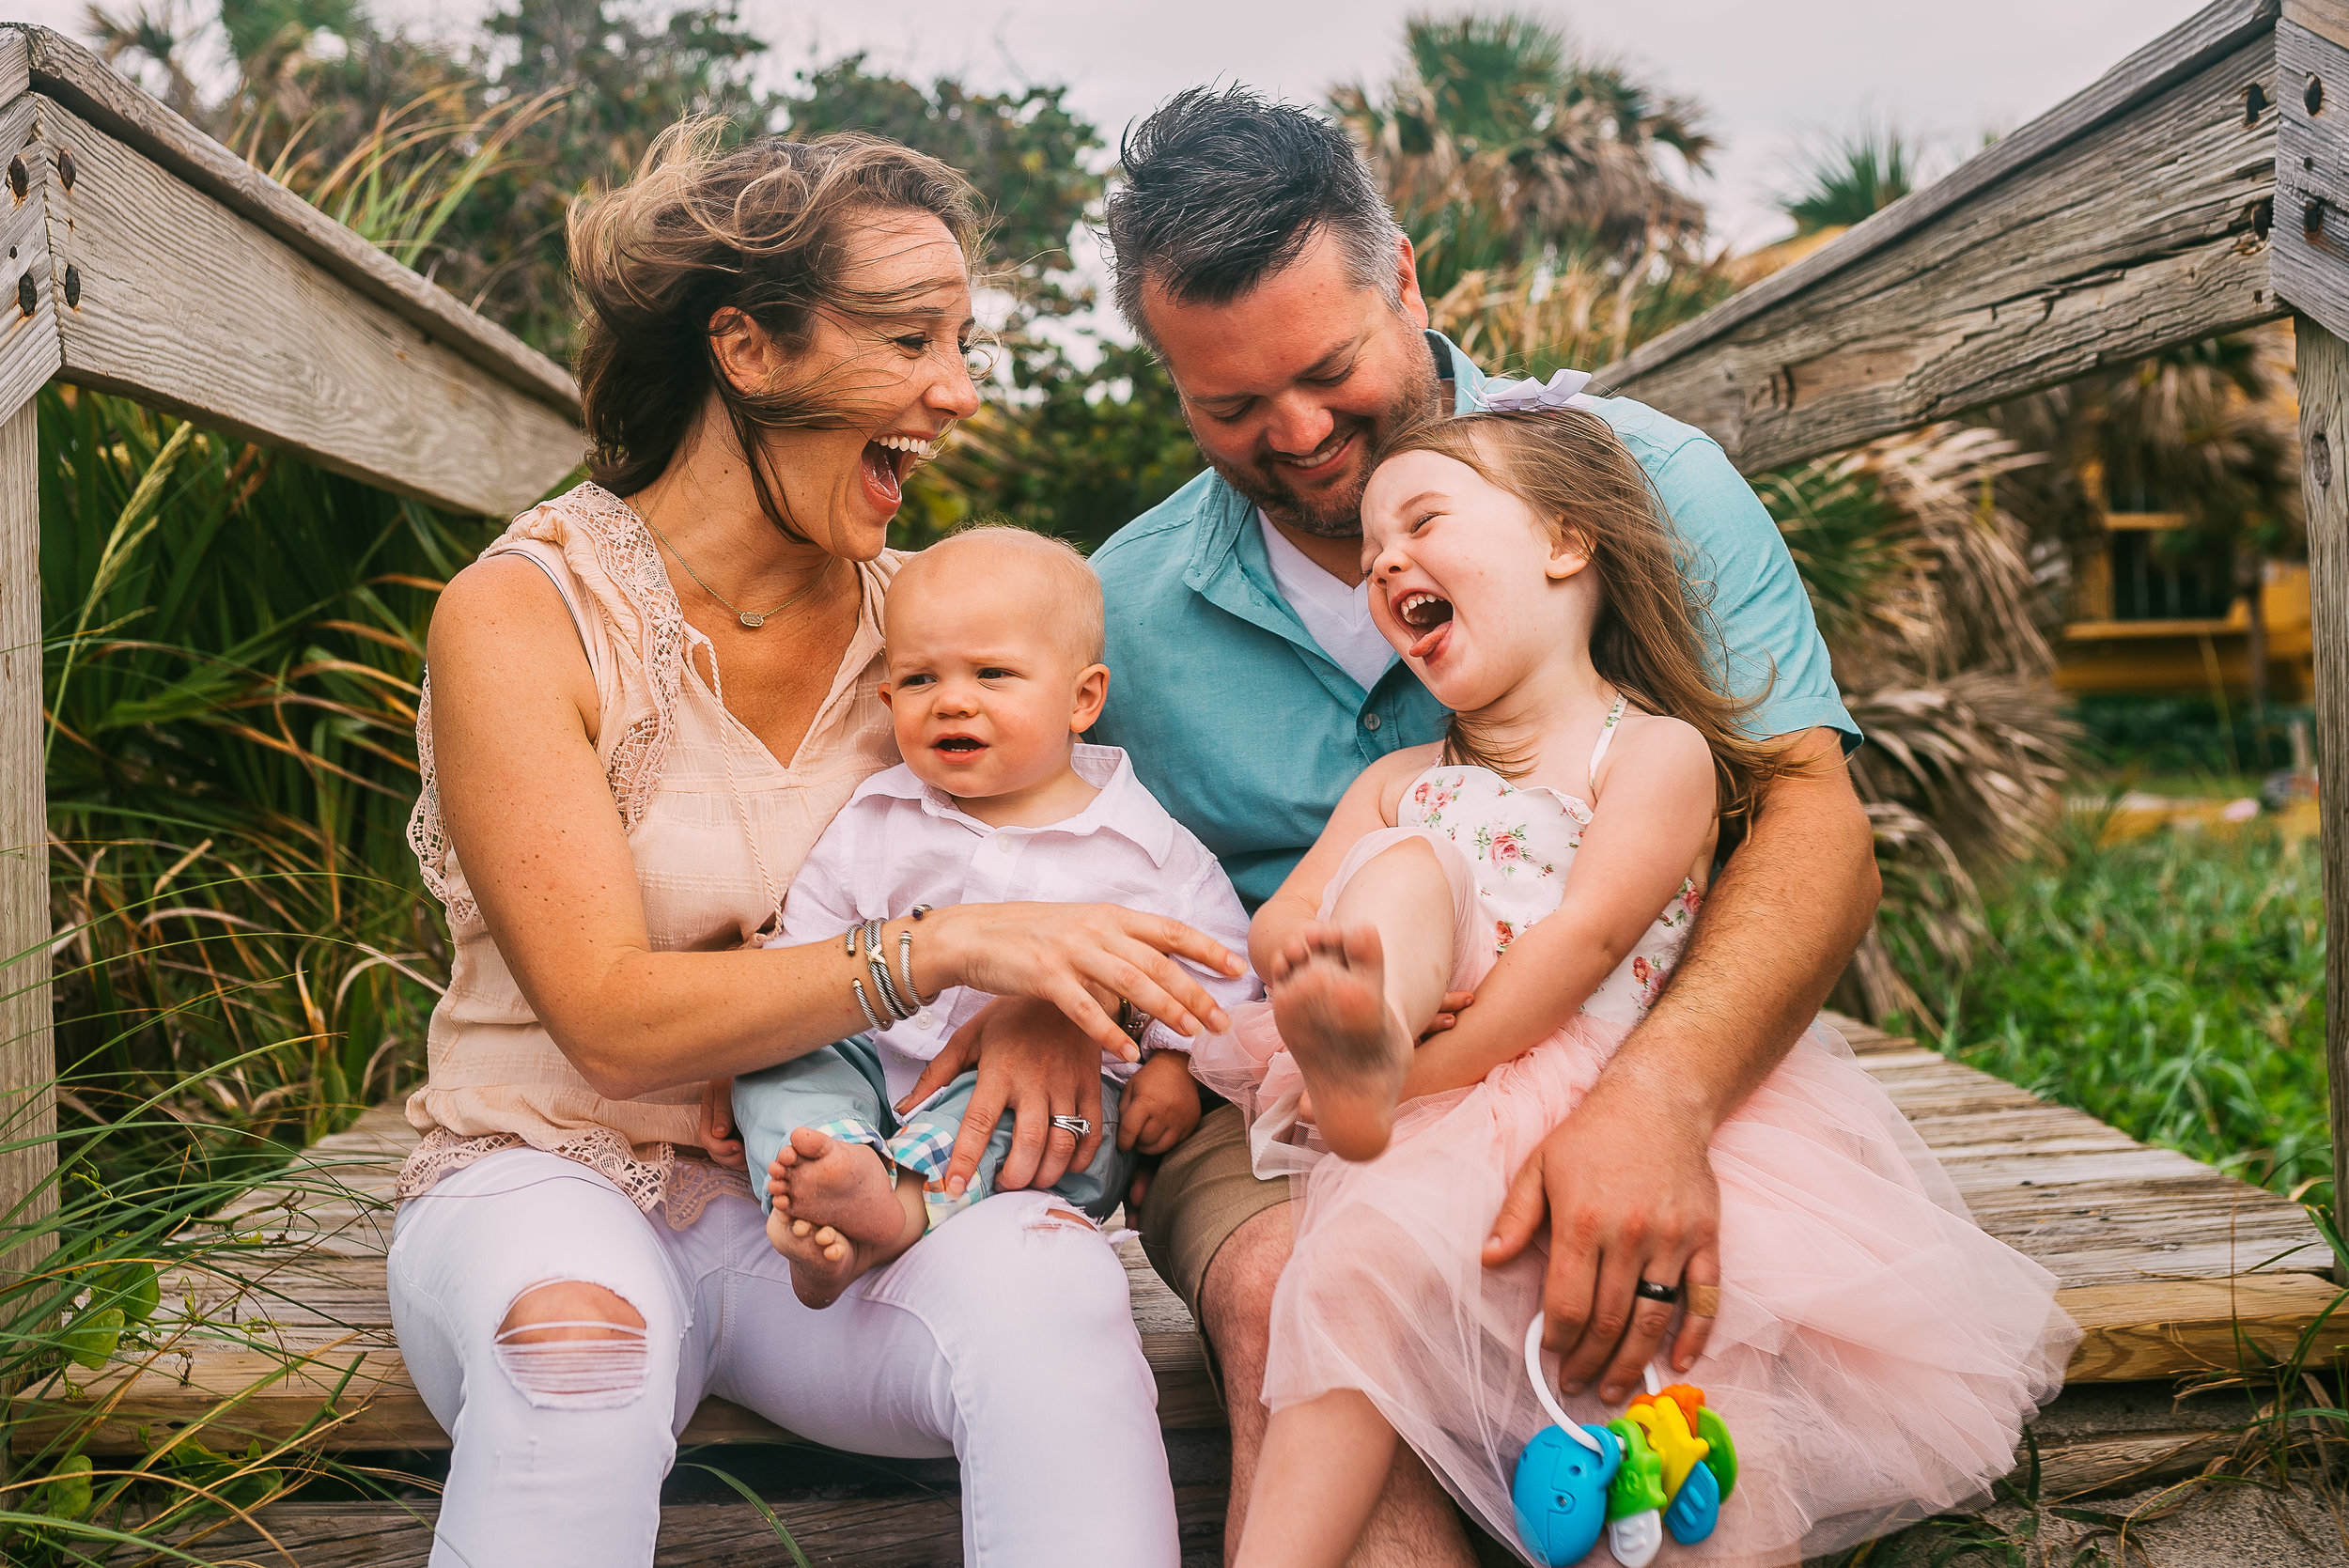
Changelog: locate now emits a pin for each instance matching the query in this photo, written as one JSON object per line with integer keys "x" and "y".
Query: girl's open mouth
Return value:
{"x": 1429, "y": 615}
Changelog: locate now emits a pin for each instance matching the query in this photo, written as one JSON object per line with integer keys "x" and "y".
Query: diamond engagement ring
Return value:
{"x": 1076, "y": 1125}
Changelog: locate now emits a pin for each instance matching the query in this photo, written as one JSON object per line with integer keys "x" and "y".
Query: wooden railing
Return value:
{"x": 142, "y": 257}
{"x": 2199, "y": 187}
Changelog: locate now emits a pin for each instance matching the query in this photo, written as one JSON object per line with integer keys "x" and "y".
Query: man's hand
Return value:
{"x": 1160, "y": 1105}
{"x": 1628, "y": 1191}
{"x": 1032, "y": 1060}
{"x": 722, "y": 1140}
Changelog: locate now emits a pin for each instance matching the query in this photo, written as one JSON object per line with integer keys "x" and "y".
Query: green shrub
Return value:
{"x": 2172, "y": 986}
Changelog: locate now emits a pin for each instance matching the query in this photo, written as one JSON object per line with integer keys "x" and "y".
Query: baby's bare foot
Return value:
{"x": 1332, "y": 1014}
{"x": 837, "y": 1213}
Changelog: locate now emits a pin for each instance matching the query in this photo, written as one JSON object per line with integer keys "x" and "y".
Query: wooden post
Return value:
{"x": 27, "y": 1059}
{"x": 2325, "y": 481}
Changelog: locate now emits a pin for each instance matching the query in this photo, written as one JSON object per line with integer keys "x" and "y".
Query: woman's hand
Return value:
{"x": 1074, "y": 955}
{"x": 721, "y": 1140}
{"x": 1035, "y": 1060}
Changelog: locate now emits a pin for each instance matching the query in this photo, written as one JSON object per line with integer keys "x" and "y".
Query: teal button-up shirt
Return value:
{"x": 1249, "y": 733}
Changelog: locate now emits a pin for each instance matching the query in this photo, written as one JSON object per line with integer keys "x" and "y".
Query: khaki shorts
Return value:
{"x": 1204, "y": 1189}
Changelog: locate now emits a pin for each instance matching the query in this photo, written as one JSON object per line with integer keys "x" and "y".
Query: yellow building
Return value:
{"x": 2146, "y": 622}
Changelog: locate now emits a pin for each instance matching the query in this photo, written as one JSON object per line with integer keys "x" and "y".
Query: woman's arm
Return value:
{"x": 1654, "y": 818}
{"x": 1367, "y": 805}
{"x": 530, "y": 815}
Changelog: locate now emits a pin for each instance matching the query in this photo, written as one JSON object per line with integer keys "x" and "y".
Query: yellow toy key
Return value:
{"x": 1667, "y": 1428}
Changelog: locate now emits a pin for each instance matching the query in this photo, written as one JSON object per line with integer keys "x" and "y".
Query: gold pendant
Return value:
{"x": 753, "y": 622}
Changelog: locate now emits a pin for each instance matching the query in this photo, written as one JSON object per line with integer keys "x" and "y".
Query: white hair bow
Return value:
{"x": 1564, "y": 390}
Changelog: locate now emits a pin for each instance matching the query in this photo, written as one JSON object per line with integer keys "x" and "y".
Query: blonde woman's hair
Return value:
{"x": 1654, "y": 630}
{"x": 763, "y": 227}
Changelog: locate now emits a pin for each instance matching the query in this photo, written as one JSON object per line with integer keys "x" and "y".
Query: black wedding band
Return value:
{"x": 1648, "y": 1290}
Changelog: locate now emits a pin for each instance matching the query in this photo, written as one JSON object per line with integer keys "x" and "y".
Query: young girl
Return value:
{"x": 1874, "y": 1353}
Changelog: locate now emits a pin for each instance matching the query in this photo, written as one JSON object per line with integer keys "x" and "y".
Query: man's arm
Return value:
{"x": 1627, "y": 1181}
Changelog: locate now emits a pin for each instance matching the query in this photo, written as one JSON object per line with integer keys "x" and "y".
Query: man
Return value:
{"x": 1255, "y": 257}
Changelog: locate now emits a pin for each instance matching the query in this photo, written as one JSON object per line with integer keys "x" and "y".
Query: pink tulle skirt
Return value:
{"x": 1875, "y": 1355}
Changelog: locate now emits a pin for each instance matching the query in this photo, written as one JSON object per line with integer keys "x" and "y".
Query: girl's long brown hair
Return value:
{"x": 1654, "y": 630}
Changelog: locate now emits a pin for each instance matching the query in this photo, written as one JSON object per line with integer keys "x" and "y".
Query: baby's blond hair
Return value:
{"x": 1076, "y": 592}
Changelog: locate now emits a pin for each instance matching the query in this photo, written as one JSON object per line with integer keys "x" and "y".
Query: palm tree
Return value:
{"x": 1851, "y": 178}
{"x": 1514, "y": 160}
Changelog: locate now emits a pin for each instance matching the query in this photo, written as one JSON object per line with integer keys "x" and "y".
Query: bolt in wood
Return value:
{"x": 2314, "y": 95}
{"x": 2254, "y": 103}
{"x": 19, "y": 182}
{"x": 72, "y": 287}
{"x": 66, "y": 172}
{"x": 27, "y": 296}
{"x": 2312, "y": 217}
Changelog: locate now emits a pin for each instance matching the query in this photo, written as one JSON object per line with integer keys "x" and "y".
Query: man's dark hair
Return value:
{"x": 1224, "y": 189}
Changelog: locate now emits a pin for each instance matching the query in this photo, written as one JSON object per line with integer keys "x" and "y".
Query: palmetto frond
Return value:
{"x": 1922, "y": 590}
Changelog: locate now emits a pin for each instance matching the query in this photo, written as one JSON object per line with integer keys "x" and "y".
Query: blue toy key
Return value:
{"x": 1696, "y": 1508}
{"x": 1561, "y": 1485}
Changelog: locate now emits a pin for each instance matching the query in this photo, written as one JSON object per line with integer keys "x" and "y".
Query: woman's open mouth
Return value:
{"x": 1430, "y": 615}
{"x": 886, "y": 462}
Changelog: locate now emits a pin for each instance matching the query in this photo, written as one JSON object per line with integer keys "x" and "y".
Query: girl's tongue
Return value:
{"x": 1432, "y": 643}
{"x": 880, "y": 474}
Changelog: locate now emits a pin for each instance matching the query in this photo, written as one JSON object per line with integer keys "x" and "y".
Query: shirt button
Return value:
{"x": 1370, "y": 721}
{"x": 922, "y": 1019}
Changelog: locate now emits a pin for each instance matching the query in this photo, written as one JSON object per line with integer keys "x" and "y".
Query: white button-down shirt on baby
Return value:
{"x": 898, "y": 842}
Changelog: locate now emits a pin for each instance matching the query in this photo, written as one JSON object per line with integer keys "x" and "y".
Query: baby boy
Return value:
{"x": 994, "y": 649}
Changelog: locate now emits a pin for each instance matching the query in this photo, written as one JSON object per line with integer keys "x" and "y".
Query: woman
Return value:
{"x": 646, "y": 700}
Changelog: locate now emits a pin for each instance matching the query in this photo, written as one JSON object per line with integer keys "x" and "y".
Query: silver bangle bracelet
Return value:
{"x": 877, "y": 970}
{"x": 899, "y": 1002}
{"x": 870, "y": 1017}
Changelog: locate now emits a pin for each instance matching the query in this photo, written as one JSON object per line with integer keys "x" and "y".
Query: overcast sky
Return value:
{"x": 1768, "y": 72}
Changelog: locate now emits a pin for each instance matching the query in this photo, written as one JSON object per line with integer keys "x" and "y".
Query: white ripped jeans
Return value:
{"x": 1002, "y": 1338}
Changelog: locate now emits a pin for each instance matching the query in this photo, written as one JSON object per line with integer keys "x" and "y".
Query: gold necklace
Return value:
{"x": 752, "y": 619}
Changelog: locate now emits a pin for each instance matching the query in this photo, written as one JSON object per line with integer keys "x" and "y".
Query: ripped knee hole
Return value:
{"x": 569, "y": 1344}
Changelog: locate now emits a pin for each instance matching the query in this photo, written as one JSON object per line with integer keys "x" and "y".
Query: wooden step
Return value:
{"x": 2171, "y": 1268}
{"x": 925, "y": 1529}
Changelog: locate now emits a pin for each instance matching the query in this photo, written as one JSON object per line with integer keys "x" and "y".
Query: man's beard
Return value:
{"x": 1339, "y": 514}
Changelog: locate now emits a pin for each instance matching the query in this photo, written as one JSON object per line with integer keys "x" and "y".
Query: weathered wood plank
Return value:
{"x": 79, "y": 80}
{"x": 2159, "y": 1327}
{"x": 2310, "y": 261}
{"x": 27, "y": 1062}
{"x": 2324, "y": 371}
{"x": 171, "y": 297}
{"x": 924, "y": 1529}
{"x": 30, "y": 351}
{"x": 2325, "y": 18}
{"x": 904, "y": 1532}
{"x": 2031, "y": 270}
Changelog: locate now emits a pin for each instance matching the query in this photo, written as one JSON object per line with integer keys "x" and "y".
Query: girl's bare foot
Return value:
{"x": 837, "y": 1214}
{"x": 1331, "y": 1010}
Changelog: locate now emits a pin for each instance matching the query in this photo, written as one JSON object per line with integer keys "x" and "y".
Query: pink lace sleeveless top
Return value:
{"x": 717, "y": 826}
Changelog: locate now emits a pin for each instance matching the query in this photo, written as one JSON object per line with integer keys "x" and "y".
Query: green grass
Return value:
{"x": 2172, "y": 986}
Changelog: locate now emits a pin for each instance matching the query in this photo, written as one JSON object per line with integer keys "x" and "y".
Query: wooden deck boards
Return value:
{"x": 2163, "y": 1261}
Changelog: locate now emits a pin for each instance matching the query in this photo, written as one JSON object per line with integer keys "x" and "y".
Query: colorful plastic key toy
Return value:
{"x": 1666, "y": 1464}
{"x": 1561, "y": 1488}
